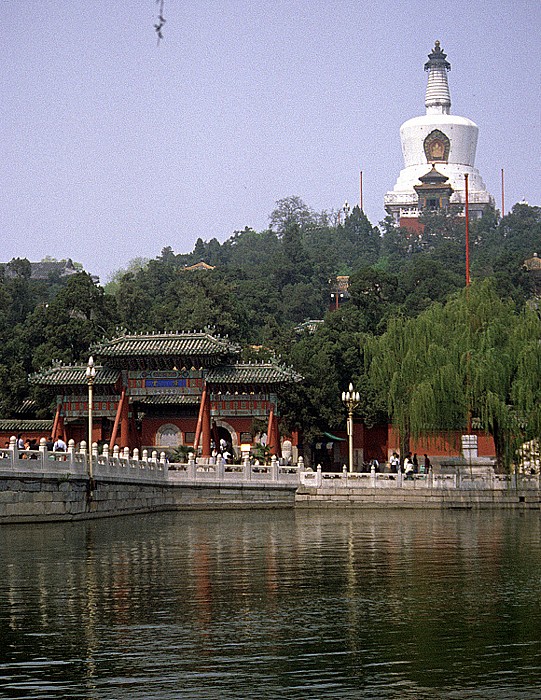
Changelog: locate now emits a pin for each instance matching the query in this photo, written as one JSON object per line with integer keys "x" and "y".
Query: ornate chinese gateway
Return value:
{"x": 171, "y": 389}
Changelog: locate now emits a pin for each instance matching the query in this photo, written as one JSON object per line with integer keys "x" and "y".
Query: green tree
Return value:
{"x": 291, "y": 211}
{"x": 64, "y": 329}
{"x": 133, "y": 266}
{"x": 364, "y": 238}
{"x": 376, "y": 295}
{"x": 476, "y": 355}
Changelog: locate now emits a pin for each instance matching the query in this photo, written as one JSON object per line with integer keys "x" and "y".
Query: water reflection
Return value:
{"x": 390, "y": 604}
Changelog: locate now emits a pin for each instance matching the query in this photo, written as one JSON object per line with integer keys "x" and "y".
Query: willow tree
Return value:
{"x": 476, "y": 355}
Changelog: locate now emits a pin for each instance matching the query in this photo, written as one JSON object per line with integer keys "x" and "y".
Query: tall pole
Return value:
{"x": 466, "y": 176}
{"x": 503, "y": 196}
{"x": 90, "y": 376}
{"x": 361, "y": 190}
{"x": 350, "y": 436}
{"x": 350, "y": 399}
{"x": 468, "y": 356}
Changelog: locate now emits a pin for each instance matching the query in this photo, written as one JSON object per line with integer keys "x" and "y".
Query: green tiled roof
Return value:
{"x": 21, "y": 426}
{"x": 249, "y": 373}
{"x": 170, "y": 399}
{"x": 196, "y": 344}
{"x": 66, "y": 375}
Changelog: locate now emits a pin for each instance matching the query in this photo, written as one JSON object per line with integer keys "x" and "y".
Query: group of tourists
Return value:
{"x": 32, "y": 444}
{"x": 223, "y": 451}
{"x": 411, "y": 464}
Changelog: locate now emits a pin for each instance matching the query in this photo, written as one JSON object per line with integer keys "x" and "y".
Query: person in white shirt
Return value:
{"x": 60, "y": 445}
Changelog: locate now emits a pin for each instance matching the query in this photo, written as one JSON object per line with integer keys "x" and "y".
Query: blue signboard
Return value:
{"x": 155, "y": 383}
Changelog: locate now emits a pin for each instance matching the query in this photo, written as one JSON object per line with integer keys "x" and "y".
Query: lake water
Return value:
{"x": 283, "y": 604}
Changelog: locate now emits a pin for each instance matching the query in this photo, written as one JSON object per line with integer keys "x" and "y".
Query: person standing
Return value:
{"x": 59, "y": 445}
{"x": 408, "y": 467}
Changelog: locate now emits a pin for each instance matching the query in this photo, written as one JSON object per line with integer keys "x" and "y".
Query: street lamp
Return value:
{"x": 350, "y": 399}
{"x": 90, "y": 376}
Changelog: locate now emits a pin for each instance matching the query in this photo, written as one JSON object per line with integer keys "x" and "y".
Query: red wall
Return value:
{"x": 444, "y": 444}
{"x": 380, "y": 441}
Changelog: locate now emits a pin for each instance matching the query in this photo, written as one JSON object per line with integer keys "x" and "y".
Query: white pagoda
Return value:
{"x": 439, "y": 149}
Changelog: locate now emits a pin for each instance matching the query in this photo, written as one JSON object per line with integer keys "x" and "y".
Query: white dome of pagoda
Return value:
{"x": 437, "y": 138}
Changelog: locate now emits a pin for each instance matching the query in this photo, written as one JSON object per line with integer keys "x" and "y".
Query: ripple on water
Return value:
{"x": 274, "y": 605}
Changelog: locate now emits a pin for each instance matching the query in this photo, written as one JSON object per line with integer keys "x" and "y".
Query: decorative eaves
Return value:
{"x": 196, "y": 344}
{"x": 18, "y": 425}
{"x": 73, "y": 375}
{"x": 167, "y": 399}
{"x": 247, "y": 373}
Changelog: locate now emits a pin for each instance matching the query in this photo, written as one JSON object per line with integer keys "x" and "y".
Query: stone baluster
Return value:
{"x": 373, "y": 476}
{"x": 71, "y": 454}
{"x": 94, "y": 453}
{"x": 14, "y": 452}
{"x": 300, "y": 464}
{"x": 105, "y": 452}
{"x": 116, "y": 455}
{"x": 43, "y": 453}
{"x": 82, "y": 449}
{"x": 220, "y": 468}
{"x": 163, "y": 462}
{"x": 399, "y": 477}
{"x": 191, "y": 466}
{"x": 344, "y": 474}
{"x": 319, "y": 478}
{"x": 274, "y": 468}
{"x": 430, "y": 478}
{"x": 147, "y": 464}
{"x": 247, "y": 468}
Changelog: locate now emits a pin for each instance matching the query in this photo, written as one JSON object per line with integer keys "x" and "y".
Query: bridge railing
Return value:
{"x": 122, "y": 465}
{"x": 458, "y": 480}
{"x": 78, "y": 463}
{"x": 205, "y": 470}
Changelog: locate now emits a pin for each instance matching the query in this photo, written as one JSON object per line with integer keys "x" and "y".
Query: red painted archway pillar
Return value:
{"x": 205, "y": 426}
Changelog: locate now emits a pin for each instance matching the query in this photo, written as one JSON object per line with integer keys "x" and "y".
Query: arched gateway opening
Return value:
{"x": 225, "y": 431}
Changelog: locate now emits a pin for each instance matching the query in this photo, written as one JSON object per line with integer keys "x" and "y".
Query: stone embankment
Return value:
{"x": 37, "y": 486}
{"x": 40, "y": 486}
{"x": 469, "y": 486}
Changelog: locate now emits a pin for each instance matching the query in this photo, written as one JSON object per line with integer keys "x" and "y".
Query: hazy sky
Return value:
{"x": 114, "y": 147}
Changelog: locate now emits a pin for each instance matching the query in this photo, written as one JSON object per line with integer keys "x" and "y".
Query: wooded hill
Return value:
{"x": 263, "y": 285}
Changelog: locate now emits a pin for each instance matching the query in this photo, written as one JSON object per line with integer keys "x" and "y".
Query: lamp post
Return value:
{"x": 90, "y": 376}
{"x": 350, "y": 399}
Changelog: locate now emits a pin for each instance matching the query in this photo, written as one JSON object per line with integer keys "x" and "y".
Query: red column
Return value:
{"x": 117, "y": 419}
{"x": 278, "y": 450}
{"x": 273, "y": 436}
{"x": 205, "y": 427}
{"x": 125, "y": 423}
{"x": 54, "y": 431}
{"x": 60, "y": 427}
{"x": 199, "y": 425}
